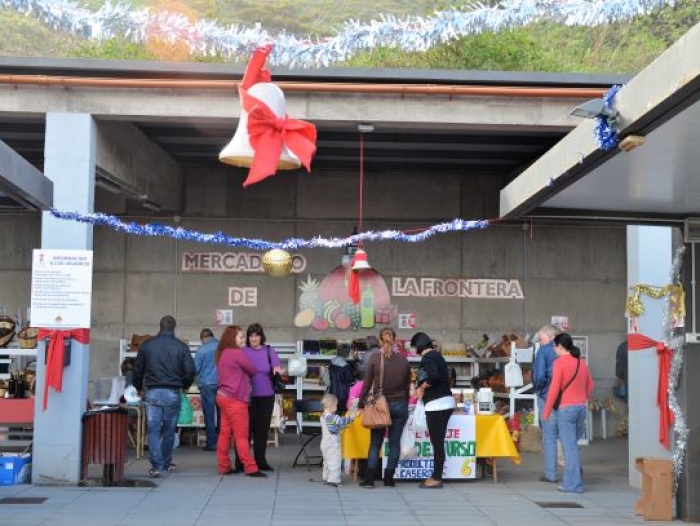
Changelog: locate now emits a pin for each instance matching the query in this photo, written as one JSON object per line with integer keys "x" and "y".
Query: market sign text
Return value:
{"x": 456, "y": 288}
{"x": 460, "y": 452}
{"x": 232, "y": 262}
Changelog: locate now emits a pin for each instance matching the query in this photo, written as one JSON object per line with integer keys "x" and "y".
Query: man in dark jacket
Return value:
{"x": 164, "y": 367}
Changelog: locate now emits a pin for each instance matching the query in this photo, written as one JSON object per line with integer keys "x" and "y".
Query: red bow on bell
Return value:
{"x": 268, "y": 133}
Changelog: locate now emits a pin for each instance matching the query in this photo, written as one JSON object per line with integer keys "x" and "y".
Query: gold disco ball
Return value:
{"x": 277, "y": 263}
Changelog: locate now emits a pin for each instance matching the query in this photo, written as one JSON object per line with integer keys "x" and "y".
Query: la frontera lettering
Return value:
{"x": 457, "y": 288}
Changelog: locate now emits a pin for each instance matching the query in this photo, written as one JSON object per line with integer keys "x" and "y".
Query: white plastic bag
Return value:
{"x": 296, "y": 366}
{"x": 408, "y": 441}
{"x": 420, "y": 424}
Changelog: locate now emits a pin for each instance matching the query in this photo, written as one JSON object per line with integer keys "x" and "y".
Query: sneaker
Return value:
{"x": 545, "y": 479}
{"x": 266, "y": 467}
{"x": 154, "y": 473}
{"x": 258, "y": 474}
{"x": 172, "y": 468}
{"x": 333, "y": 484}
{"x": 561, "y": 488}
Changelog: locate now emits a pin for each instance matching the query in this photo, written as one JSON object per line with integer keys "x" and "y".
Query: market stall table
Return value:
{"x": 493, "y": 440}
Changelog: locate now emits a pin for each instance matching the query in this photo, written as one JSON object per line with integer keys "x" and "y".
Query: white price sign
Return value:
{"x": 61, "y": 289}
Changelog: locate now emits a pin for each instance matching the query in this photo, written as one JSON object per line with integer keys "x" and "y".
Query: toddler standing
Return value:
{"x": 331, "y": 425}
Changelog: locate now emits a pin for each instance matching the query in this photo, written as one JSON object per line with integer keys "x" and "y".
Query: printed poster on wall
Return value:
{"x": 61, "y": 288}
{"x": 460, "y": 453}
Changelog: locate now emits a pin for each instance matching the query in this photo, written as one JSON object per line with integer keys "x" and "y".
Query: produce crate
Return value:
{"x": 15, "y": 469}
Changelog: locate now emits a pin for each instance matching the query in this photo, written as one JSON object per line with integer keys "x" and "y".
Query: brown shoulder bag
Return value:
{"x": 376, "y": 413}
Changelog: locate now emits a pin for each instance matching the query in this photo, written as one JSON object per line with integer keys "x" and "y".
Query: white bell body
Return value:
{"x": 239, "y": 152}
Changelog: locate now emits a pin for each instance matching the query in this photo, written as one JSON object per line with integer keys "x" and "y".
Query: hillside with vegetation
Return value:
{"x": 621, "y": 47}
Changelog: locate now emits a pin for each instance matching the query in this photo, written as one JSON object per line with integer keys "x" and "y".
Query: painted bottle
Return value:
{"x": 367, "y": 308}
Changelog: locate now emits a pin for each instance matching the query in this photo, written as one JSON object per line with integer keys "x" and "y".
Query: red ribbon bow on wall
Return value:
{"x": 637, "y": 342}
{"x": 55, "y": 351}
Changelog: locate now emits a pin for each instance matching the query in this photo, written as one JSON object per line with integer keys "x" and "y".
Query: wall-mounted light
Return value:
{"x": 593, "y": 109}
{"x": 109, "y": 186}
{"x": 107, "y": 181}
{"x": 150, "y": 205}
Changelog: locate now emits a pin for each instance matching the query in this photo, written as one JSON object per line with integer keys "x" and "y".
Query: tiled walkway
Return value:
{"x": 196, "y": 495}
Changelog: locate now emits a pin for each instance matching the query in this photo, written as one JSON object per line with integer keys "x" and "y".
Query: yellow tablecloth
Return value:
{"x": 493, "y": 438}
{"x": 355, "y": 440}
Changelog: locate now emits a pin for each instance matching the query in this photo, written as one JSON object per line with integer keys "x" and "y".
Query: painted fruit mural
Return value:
{"x": 327, "y": 305}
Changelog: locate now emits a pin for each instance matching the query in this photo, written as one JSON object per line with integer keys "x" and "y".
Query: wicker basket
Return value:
{"x": 27, "y": 338}
{"x": 7, "y": 330}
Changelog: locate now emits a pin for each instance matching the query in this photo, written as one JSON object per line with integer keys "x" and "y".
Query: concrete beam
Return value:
{"x": 667, "y": 86}
{"x": 21, "y": 181}
{"x": 453, "y": 112}
{"x": 136, "y": 163}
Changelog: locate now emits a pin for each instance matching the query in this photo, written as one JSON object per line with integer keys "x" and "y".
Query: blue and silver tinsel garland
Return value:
{"x": 206, "y": 37}
{"x": 605, "y": 132}
{"x": 220, "y": 238}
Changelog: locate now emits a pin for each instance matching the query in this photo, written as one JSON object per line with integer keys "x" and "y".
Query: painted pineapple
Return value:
{"x": 310, "y": 304}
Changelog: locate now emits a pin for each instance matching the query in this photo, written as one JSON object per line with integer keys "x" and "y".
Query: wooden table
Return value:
{"x": 139, "y": 440}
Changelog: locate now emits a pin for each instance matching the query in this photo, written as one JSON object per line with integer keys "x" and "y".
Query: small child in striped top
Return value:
{"x": 331, "y": 426}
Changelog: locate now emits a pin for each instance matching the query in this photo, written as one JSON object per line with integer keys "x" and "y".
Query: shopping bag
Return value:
{"x": 420, "y": 424}
{"x": 186, "y": 415}
{"x": 296, "y": 366}
{"x": 408, "y": 441}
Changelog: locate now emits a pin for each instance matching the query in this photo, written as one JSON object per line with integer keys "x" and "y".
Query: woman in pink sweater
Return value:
{"x": 570, "y": 390}
{"x": 234, "y": 370}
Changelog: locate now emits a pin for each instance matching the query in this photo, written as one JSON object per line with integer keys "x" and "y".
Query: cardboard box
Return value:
{"x": 15, "y": 470}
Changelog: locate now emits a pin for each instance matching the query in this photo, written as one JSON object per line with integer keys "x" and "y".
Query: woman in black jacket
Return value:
{"x": 434, "y": 390}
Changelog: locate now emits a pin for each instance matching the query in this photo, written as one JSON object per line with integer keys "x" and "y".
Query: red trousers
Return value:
{"x": 234, "y": 425}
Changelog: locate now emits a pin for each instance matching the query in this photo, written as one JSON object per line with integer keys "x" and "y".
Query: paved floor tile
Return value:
{"x": 197, "y": 496}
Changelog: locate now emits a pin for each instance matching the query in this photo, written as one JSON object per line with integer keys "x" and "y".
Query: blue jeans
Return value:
{"x": 162, "y": 411}
{"x": 550, "y": 434}
{"x": 572, "y": 426}
{"x": 399, "y": 416}
{"x": 207, "y": 394}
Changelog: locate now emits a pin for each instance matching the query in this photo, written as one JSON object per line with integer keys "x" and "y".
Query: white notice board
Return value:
{"x": 61, "y": 288}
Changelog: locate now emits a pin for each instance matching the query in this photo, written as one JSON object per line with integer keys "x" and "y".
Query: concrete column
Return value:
{"x": 649, "y": 260}
{"x": 70, "y": 164}
{"x": 687, "y": 502}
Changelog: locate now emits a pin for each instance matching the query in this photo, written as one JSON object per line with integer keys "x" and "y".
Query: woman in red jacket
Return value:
{"x": 234, "y": 370}
{"x": 570, "y": 390}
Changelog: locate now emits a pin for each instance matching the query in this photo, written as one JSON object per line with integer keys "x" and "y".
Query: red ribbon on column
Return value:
{"x": 55, "y": 351}
{"x": 636, "y": 342}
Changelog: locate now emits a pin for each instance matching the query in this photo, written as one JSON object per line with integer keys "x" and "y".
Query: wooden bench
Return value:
{"x": 16, "y": 423}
